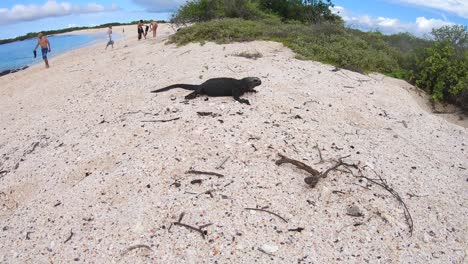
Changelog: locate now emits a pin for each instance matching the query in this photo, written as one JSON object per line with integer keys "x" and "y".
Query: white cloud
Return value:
{"x": 387, "y": 22}
{"x": 426, "y": 25}
{"x": 457, "y": 7}
{"x": 51, "y": 8}
{"x": 387, "y": 25}
{"x": 160, "y": 5}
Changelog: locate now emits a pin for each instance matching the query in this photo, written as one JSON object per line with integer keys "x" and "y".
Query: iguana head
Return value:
{"x": 252, "y": 82}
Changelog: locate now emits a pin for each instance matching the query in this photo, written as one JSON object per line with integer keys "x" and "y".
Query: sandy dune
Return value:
{"x": 84, "y": 177}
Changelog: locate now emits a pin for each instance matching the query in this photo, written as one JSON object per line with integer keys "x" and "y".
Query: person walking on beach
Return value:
{"x": 109, "y": 36}
{"x": 154, "y": 27}
{"x": 45, "y": 47}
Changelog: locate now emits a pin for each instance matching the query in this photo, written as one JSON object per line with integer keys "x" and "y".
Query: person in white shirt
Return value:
{"x": 109, "y": 36}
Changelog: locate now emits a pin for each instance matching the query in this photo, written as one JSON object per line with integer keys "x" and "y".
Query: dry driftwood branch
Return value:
{"x": 263, "y": 210}
{"x": 135, "y": 247}
{"x": 204, "y": 173}
{"x": 298, "y": 164}
{"x": 311, "y": 180}
{"x": 315, "y": 175}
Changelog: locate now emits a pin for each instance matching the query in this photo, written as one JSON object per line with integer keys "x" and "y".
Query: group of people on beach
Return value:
{"x": 43, "y": 41}
{"x": 153, "y": 26}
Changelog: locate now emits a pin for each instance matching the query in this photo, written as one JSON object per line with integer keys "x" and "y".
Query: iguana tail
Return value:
{"x": 190, "y": 87}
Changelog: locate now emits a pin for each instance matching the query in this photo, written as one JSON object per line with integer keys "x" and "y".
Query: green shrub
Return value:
{"x": 205, "y": 10}
{"x": 326, "y": 42}
{"x": 306, "y": 11}
{"x": 219, "y": 31}
{"x": 441, "y": 73}
{"x": 442, "y": 68}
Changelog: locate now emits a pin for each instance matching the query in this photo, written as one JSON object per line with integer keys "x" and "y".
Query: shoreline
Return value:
{"x": 97, "y": 41}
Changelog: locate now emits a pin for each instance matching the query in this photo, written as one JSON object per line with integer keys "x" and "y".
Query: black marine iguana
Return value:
{"x": 219, "y": 87}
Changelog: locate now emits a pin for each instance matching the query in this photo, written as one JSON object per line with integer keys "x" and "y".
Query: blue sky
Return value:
{"x": 392, "y": 16}
{"x": 387, "y": 16}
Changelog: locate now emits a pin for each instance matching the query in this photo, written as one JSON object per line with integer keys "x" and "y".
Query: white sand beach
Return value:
{"x": 90, "y": 174}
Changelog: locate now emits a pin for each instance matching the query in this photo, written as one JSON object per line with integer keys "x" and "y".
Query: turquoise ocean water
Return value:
{"x": 19, "y": 54}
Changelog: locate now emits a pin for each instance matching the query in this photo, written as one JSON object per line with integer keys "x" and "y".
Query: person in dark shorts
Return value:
{"x": 141, "y": 32}
{"x": 45, "y": 47}
{"x": 146, "y": 30}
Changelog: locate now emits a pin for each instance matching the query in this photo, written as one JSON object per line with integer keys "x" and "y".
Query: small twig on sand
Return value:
{"x": 340, "y": 163}
{"x": 319, "y": 152}
{"x": 404, "y": 123}
{"x": 204, "y": 173}
{"x": 263, "y": 210}
{"x": 264, "y": 252}
{"x": 138, "y": 112}
{"x": 197, "y": 229}
{"x": 69, "y": 237}
{"x": 383, "y": 183}
{"x": 299, "y": 229}
{"x": 208, "y": 114}
{"x": 411, "y": 195}
{"x": 160, "y": 121}
{"x": 203, "y": 233}
{"x": 136, "y": 247}
{"x": 222, "y": 164}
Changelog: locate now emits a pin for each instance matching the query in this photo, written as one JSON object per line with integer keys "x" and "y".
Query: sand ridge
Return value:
{"x": 82, "y": 155}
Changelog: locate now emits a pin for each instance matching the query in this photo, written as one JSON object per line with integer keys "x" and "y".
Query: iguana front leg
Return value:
{"x": 236, "y": 94}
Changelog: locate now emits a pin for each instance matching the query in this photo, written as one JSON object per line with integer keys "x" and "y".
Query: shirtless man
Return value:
{"x": 45, "y": 47}
{"x": 154, "y": 27}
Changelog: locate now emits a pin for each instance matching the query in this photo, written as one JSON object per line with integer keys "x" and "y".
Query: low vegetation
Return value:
{"x": 438, "y": 65}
